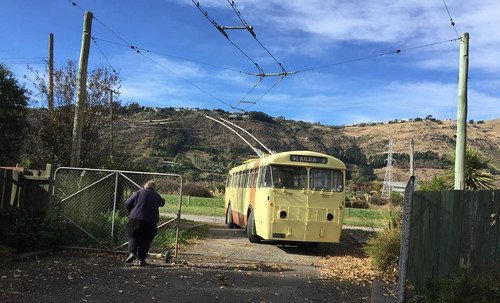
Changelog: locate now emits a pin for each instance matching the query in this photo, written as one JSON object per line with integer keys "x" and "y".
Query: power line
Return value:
{"x": 187, "y": 81}
{"x": 27, "y": 60}
{"x": 260, "y": 73}
{"x": 377, "y": 55}
{"x": 172, "y": 56}
{"x": 451, "y": 19}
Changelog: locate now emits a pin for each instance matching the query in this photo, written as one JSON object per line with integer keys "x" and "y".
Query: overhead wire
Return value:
{"x": 250, "y": 29}
{"x": 27, "y": 60}
{"x": 154, "y": 61}
{"x": 184, "y": 79}
{"x": 376, "y": 55}
{"x": 260, "y": 73}
{"x": 451, "y": 19}
{"x": 171, "y": 56}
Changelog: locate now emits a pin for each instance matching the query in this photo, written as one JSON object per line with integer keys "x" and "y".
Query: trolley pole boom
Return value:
{"x": 259, "y": 153}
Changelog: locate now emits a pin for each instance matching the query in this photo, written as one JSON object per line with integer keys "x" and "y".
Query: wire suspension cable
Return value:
{"x": 221, "y": 29}
{"x": 451, "y": 19}
{"x": 250, "y": 30}
{"x": 187, "y": 81}
{"x": 172, "y": 56}
{"x": 377, "y": 55}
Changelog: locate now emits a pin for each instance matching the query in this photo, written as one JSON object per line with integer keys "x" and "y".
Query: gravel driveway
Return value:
{"x": 225, "y": 267}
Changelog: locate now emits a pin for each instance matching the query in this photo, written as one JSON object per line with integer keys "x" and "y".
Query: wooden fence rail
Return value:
{"x": 450, "y": 229}
{"x": 30, "y": 190}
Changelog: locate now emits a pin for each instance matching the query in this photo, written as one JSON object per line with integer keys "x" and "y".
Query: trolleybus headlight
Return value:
{"x": 329, "y": 217}
{"x": 282, "y": 214}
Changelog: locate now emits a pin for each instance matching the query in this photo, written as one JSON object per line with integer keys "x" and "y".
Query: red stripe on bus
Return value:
{"x": 252, "y": 188}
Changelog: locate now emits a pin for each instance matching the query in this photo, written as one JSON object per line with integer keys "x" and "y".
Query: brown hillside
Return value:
{"x": 207, "y": 140}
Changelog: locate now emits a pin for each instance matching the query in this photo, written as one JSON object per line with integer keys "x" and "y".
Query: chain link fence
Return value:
{"x": 91, "y": 205}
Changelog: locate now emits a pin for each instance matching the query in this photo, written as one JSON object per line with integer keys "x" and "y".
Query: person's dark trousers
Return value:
{"x": 140, "y": 236}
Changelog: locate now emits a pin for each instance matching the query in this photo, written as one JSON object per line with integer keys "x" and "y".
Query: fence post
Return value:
{"x": 405, "y": 239}
{"x": 49, "y": 174}
{"x": 16, "y": 189}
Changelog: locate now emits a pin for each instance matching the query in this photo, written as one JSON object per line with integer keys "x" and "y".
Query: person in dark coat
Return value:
{"x": 144, "y": 215}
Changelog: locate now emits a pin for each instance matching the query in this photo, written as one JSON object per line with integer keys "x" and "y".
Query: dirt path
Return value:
{"x": 226, "y": 267}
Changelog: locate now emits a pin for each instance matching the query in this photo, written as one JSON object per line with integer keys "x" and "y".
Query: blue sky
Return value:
{"x": 332, "y": 51}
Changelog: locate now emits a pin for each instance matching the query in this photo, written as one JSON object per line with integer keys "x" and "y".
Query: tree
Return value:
{"x": 437, "y": 183}
{"x": 475, "y": 177}
{"x": 55, "y": 129}
{"x": 13, "y": 108}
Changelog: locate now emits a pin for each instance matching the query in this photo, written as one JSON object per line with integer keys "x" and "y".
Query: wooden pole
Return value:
{"x": 51, "y": 72}
{"x": 81, "y": 93}
{"x": 462, "y": 113}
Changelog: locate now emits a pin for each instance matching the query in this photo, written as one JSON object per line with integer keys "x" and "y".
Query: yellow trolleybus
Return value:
{"x": 289, "y": 196}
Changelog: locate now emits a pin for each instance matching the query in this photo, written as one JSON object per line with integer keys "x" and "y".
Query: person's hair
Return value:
{"x": 150, "y": 185}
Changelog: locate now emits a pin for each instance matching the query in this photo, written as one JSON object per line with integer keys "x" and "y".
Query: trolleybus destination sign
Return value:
{"x": 308, "y": 159}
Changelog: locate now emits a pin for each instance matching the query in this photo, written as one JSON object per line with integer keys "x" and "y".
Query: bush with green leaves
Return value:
{"x": 25, "y": 231}
{"x": 383, "y": 248}
{"x": 462, "y": 287}
{"x": 196, "y": 190}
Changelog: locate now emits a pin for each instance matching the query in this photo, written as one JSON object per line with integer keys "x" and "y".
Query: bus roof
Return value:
{"x": 299, "y": 158}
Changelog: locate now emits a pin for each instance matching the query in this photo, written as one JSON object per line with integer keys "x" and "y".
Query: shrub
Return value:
{"x": 360, "y": 204}
{"x": 196, "y": 190}
{"x": 462, "y": 287}
{"x": 383, "y": 249}
{"x": 25, "y": 231}
{"x": 378, "y": 201}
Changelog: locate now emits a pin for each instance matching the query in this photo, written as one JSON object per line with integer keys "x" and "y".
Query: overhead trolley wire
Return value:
{"x": 251, "y": 31}
{"x": 221, "y": 29}
{"x": 260, "y": 73}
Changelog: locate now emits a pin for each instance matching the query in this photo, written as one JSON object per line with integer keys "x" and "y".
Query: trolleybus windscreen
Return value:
{"x": 326, "y": 179}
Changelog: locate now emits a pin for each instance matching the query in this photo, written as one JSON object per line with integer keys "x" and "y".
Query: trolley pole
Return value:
{"x": 462, "y": 113}
{"x": 81, "y": 94}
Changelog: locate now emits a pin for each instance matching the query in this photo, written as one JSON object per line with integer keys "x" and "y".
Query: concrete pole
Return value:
{"x": 412, "y": 171}
{"x": 51, "y": 72}
{"x": 462, "y": 113}
{"x": 81, "y": 93}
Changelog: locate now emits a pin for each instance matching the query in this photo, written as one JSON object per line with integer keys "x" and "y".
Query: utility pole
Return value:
{"x": 462, "y": 113}
{"x": 387, "y": 189}
{"x": 51, "y": 72}
{"x": 81, "y": 94}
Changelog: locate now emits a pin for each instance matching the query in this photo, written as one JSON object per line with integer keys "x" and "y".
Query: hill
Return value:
{"x": 166, "y": 139}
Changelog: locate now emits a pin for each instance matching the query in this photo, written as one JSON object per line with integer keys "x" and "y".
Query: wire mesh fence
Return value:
{"x": 91, "y": 205}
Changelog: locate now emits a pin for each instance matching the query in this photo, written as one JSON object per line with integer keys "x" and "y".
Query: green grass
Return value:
{"x": 368, "y": 217}
{"x": 195, "y": 205}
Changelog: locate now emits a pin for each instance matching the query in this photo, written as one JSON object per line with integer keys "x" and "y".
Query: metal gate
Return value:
{"x": 91, "y": 205}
